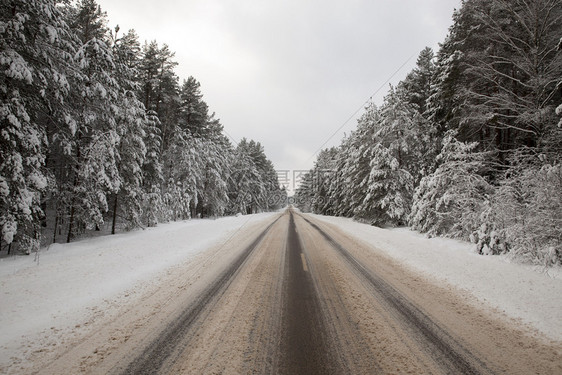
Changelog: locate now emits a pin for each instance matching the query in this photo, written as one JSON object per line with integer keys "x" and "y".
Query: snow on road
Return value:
{"x": 45, "y": 298}
{"x": 526, "y": 293}
{"x": 69, "y": 284}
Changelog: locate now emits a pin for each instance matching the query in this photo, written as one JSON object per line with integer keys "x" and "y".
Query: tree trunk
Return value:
{"x": 56, "y": 225}
{"x": 114, "y": 214}
{"x": 71, "y": 223}
{"x": 74, "y": 185}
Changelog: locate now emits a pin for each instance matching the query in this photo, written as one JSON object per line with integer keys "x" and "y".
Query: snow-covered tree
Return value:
{"x": 468, "y": 142}
{"x": 304, "y": 194}
{"x": 159, "y": 88}
{"x": 244, "y": 181}
{"x": 396, "y": 149}
{"x": 339, "y": 197}
{"x": 36, "y": 51}
{"x": 497, "y": 73}
{"x": 213, "y": 192}
{"x": 94, "y": 128}
{"x": 389, "y": 190}
{"x": 94, "y": 142}
{"x": 406, "y": 134}
{"x": 131, "y": 123}
{"x": 357, "y": 166}
{"x": 194, "y": 112}
{"x": 324, "y": 170}
{"x": 449, "y": 202}
{"x": 416, "y": 87}
{"x": 515, "y": 78}
{"x": 525, "y": 212}
{"x": 182, "y": 170}
{"x": 152, "y": 172}
{"x": 253, "y": 183}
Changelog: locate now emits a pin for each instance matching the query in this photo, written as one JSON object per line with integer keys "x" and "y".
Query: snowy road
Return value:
{"x": 292, "y": 294}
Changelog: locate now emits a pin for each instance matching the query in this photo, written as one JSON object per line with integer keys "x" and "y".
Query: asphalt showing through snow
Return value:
{"x": 451, "y": 356}
{"x": 173, "y": 337}
{"x": 304, "y": 349}
{"x": 305, "y": 346}
{"x": 293, "y": 295}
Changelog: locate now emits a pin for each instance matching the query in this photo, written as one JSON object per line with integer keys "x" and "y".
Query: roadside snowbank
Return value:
{"x": 522, "y": 292}
{"x": 68, "y": 282}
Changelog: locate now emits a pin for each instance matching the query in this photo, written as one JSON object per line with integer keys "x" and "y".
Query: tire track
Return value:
{"x": 304, "y": 348}
{"x": 173, "y": 339}
{"x": 294, "y": 296}
{"x": 446, "y": 351}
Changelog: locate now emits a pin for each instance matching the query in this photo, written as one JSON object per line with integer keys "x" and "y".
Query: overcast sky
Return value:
{"x": 288, "y": 73}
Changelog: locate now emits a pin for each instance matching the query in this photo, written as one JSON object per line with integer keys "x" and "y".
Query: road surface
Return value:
{"x": 293, "y": 295}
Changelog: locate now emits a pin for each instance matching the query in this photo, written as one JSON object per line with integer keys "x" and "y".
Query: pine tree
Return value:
{"x": 469, "y": 143}
{"x": 449, "y": 202}
{"x": 213, "y": 197}
{"x": 396, "y": 152}
{"x": 36, "y": 51}
{"x": 321, "y": 176}
{"x": 261, "y": 190}
{"x": 182, "y": 171}
{"x": 525, "y": 211}
{"x": 93, "y": 173}
{"x": 336, "y": 194}
{"x": 131, "y": 123}
{"x": 152, "y": 172}
{"x": 194, "y": 116}
{"x": 445, "y": 105}
{"x": 258, "y": 160}
{"x": 304, "y": 194}
{"x": 497, "y": 74}
{"x": 389, "y": 190}
{"x": 416, "y": 87}
{"x": 415, "y": 91}
{"x": 356, "y": 168}
{"x": 243, "y": 182}
{"x": 159, "y": 88}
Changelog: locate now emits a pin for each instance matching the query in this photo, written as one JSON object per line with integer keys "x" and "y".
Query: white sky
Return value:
{"x": 288, "y": 73}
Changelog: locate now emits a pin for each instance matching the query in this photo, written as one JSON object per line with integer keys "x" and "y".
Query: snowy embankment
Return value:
{"x": 62, "y": 286}
{"x": 526, "y": 293}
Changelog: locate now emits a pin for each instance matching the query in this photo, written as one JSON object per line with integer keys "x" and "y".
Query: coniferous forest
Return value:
{"x": 469, "y": 144}
{"x": 97, "y": 131}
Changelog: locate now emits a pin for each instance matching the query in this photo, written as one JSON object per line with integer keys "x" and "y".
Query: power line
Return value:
{"x": 361, "y": 107}
{"x": 229, "y": 136}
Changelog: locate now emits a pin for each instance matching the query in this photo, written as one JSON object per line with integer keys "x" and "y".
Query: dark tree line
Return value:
{"x": 469, "y": 144}
{"x": 97, "y": 128}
